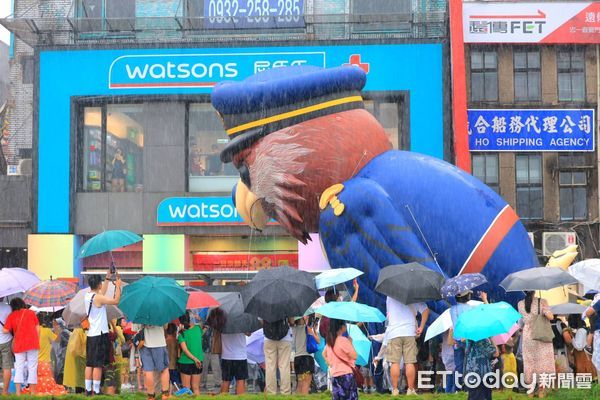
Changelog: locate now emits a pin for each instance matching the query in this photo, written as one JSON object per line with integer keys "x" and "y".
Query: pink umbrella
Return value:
{"x": 503, "y": 338}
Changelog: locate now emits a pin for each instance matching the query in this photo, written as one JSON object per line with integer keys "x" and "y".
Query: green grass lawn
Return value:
{"x": 572, "y": 394}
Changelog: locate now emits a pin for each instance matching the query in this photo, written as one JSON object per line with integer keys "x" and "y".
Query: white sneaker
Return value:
{"x": 395, "y": 392}
{"x": 411, "y": 392}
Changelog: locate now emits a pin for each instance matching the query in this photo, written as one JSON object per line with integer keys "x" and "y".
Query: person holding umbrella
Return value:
{"x": 7, "y": 359}
{"x": 590, "y": 312}
{"x": 97, "y": 345}
{"x": 538, "y": 356}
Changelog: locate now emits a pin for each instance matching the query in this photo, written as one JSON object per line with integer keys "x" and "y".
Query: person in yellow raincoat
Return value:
{"x": 74, "y": 375}
{"x": 46, "y": 383}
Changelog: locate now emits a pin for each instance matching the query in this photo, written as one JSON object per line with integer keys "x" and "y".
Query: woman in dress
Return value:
{"x": 46, "y": 382}
{"x": 478, "y": 360}
{"x": 538, "y": 357}
{"x": 341, "y": 358}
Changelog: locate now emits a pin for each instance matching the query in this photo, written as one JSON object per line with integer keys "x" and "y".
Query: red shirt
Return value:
{"x": 23, "y": 325}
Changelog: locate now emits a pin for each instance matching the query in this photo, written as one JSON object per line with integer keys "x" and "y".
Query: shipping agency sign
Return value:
{"x": 531, "y": 130}
{"x": 528, "y": 22}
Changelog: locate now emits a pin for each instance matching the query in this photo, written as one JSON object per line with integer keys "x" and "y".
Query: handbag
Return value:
{"x": 541, "y": 329}
{"x": 358, "y": 376}
{"x": 311, "y": 343}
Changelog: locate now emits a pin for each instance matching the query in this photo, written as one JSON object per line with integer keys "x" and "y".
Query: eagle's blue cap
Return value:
{"x": 280, "y": 97}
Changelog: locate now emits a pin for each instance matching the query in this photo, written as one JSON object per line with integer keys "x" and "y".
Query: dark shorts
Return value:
{"x": 237, "y": 369}
{"x": 154, "y": 358}
{"x": 188, "y": 369}
{"x": 304, "y": 364}
{"x": 97, "y": 348}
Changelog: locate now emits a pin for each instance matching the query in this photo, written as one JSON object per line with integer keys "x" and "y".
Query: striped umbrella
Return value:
{"x": 50, "y": 293}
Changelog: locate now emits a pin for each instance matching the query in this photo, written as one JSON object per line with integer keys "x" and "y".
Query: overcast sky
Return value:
{"x": 4, "y": 11}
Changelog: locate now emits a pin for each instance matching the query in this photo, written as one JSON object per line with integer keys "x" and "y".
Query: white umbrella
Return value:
{"x": 46, "y": 309}
{"x": 16, "y": 280}
{"x": 254, "y": 347}
{"x": 333, "y": 277}
{"x": 444, "y": 322}
{"x": 587, "y": 272}
{"x": 75, "y": 311}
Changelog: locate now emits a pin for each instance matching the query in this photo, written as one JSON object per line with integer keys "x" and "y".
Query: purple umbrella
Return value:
{"x": 16, "y": 280}
{"x": 461, "y": 283}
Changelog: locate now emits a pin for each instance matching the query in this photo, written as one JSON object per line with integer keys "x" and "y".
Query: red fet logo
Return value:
{"x": 356, "y": 62}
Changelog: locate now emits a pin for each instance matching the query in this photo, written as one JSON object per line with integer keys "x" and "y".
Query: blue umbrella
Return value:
{"x": 107, "y": 241}
{"x": 361, "y": 344}
{"x": 486, "y": 320}
{"x": 351, "y": 311}
{"x": 336, "y": 276}
{"x": 461, "y": 283}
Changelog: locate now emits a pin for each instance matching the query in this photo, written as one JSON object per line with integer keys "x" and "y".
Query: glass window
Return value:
{"x": 112, "y": 15}
{"x": 527, "y": 75}
{"x": 573, "y": 190}
{"x": 93, "y": 170}
{"x": 112, "y": 139}
{"x": 484, "y": 76}
{"x": 571, "y": 75}
{"x": 485, "y": 168}
{"x": 124, "y": 147}
{"x": 388, "y": 113}
{"x": 27, "y": 67}
{"x": 207, "y": 138}
{"x": 530, "y": 204}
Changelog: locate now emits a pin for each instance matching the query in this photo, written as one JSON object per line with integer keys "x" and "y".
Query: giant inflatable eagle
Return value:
{"x": 311, "y": 157}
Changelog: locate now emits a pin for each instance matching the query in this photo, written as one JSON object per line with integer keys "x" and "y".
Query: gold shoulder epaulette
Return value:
{"x": 329, "y": 196}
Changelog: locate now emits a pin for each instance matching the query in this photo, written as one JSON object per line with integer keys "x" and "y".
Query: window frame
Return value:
{"x": 572, "y": 166}
{"x": 529, "y": 185}
{"x": 494, "y": 186}
{"x": 570, "y": 71}
{"x": 527, "y": 70}
{"x": 484, "y": 71}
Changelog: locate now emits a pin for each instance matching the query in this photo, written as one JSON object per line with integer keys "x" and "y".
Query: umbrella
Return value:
{"x": 485, "y": 321}
{"x": 587, "y": 272}
{"x": 351, "y": 311}
{"x": 410, "y": 283}
{"x": 76, "y": 310}
{"x": 361, "y": 344}
{"x": 461, "y": 283}
{"x": 107, "y": 241}
{"x": 46, "y": 309}
{"x": 537, "y": 278}
{"x": 16, "y": 280}
{"x": 237, "y": 320}
{"x": 200, "y": 299}
{"x": 278, "y": 293}
{"x": 52, "y": 293}
{"x": 336, "y": 276}
{"x": 503, "y": 338}
{"x": 568, "y": 308}
{"x": 153, "y": 301}
{"x": 444, "y": 322}
{"x": 255, "y": 347}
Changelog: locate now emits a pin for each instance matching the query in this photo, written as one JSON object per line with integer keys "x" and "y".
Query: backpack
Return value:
{"x": 276, "y": 330}
{"x": 580, "y": 339}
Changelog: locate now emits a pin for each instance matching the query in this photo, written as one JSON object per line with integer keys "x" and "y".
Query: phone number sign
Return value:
{"x": 248, "y": 14}
{"x": 531, "y": 130}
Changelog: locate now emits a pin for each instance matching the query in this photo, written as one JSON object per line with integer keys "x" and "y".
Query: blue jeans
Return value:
{"x": 450, "y": 385}
{"x": 459, "y": 362}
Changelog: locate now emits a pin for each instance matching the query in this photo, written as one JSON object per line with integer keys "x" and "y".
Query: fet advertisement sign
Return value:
{"x": 174, "y": 211}
{"x": 531, "y": 130}
{"x": 151, "y": 71}
{"x": 539, "y": 22}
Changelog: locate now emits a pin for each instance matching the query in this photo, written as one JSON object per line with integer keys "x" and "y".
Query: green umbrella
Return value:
{"x": 107, "y": 241}
{"x": 153, "y": 301}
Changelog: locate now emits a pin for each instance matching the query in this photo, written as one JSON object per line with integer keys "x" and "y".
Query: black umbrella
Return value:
{"x": 237, "y": 320}
{"x": 410, "y": 283}
{"x": 278, "y": 293}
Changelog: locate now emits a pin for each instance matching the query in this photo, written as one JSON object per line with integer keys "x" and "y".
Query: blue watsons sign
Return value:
{"x": 531, "y": 130}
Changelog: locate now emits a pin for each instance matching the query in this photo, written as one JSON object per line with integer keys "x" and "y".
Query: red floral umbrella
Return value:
{"x": 200, "y": 299}
{"x": 50, "y": 293}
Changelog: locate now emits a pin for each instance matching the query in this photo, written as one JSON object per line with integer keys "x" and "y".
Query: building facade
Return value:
{"x": 124, "y": 136}
{"x": 533, "y": 99}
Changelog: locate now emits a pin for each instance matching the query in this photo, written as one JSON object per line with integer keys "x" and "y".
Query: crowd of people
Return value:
{"x": 310, "y": 353}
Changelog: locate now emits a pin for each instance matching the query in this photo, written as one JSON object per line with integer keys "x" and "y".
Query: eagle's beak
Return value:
{"x": 250, "y": 207}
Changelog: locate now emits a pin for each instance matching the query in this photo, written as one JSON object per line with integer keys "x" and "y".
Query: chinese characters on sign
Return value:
{"x": 531, "y": 130}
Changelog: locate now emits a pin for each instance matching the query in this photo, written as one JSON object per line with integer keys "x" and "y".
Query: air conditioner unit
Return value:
{"x": 530, "y": 234}
{"x": 553, "y": 241}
